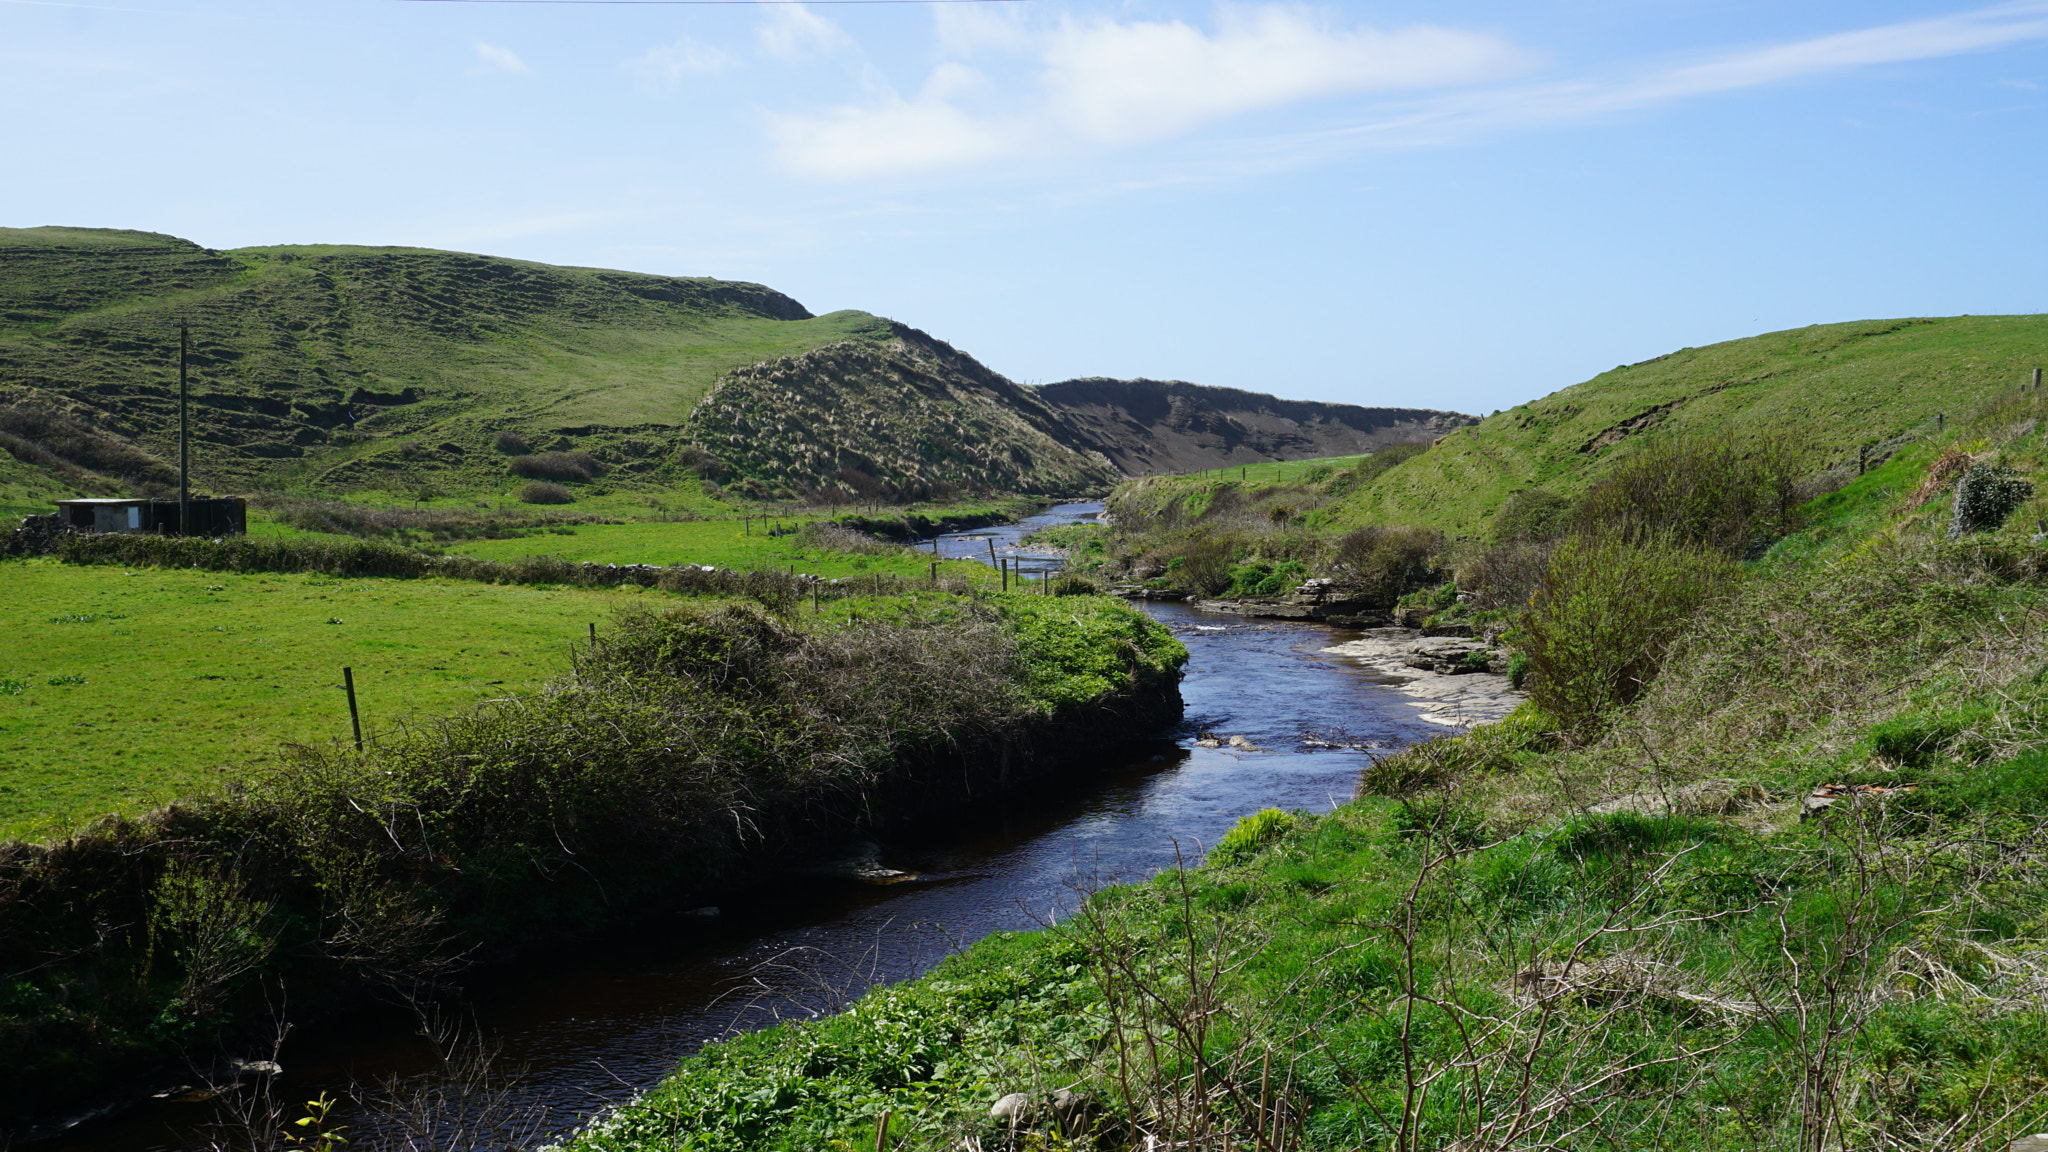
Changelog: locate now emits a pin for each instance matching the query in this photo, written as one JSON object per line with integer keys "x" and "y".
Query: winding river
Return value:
{"x": 591, "y": 1027}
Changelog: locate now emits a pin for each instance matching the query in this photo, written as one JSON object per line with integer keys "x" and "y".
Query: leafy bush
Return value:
{"x": 1603, "y": 615}
{"x": 1262, "y": 577}
{"x": 511, "y": 444}
{"x": 543, "y": 492}
{"x": 557, "y": 466}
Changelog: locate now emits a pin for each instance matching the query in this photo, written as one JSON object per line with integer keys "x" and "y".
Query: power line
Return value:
{"x": 670, "y": 3}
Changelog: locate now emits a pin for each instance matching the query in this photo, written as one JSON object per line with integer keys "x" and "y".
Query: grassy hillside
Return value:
{"x": 432, "y": 353}
{"x": 1833, "y": 386}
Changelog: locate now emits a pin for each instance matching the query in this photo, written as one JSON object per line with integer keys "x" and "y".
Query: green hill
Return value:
{"x": 350, "y": 367}
{"x": 1835, "y": 386}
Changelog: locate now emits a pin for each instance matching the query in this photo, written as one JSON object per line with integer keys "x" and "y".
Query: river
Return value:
{"x": 590, "y": 1027}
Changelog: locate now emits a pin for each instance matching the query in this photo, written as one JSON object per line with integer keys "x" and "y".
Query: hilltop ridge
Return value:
{"x": 348, "y": 367}
{"x": 1152, "y": 426}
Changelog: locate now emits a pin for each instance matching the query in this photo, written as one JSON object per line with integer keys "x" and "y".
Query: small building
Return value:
{"x": 211, "y": 515}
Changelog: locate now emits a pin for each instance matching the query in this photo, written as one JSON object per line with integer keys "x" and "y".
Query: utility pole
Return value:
{"x": 185, "y": 451}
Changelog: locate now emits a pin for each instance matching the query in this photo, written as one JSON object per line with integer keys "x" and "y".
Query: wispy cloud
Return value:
{"x": 794, "y": 32}
{"x": 495, "y": 59}
{"x": 1454, "y": 118}
{"x": 1109, "y": 84}
{"x": 664, "y": 68}
{"x": 1116, "y": 82}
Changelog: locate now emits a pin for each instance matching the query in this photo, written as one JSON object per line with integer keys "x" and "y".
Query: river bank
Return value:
{"x": 689, "y": 751}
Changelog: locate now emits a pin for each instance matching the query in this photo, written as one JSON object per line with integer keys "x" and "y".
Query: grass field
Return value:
{"x": 120, "y": 690}
{"x": 720, "y": 543}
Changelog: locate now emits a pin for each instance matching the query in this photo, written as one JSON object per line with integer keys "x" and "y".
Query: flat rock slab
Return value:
{"x": 1454, "y": 701}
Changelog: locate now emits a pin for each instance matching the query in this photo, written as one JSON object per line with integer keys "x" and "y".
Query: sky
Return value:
{"x": 1443, "y": 205}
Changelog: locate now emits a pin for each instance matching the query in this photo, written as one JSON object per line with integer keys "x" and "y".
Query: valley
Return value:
{"x": 1661, "y": 756}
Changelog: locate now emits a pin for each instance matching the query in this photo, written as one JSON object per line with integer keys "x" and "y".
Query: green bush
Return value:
{"x": 1720, "y": 491}
{"x": 1607, "y": 609}
{"x": 1383, "y": 564}
{"x": 1262, "y": 577}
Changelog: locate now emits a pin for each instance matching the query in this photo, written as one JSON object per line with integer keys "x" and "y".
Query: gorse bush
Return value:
{"x": 1986, "y": 493}
{"x": 1604, "y": 613}
{"x": 543, "y": 492}
{"x": 557, "y": 466}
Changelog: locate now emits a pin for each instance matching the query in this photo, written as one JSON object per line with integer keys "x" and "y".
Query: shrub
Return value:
{"x": 542, "y": 492}
{"x": 511, "y": 444}
{"x": 1603, "y": 615}
{"x": 558, "y": 466}
{"x": 1260, "y": 577}
{"x": 1383, "y": 564}
{"x": 1720, "y": 492}
{"x": 1985, "y": 495}
{"x": 1504, "y": 575}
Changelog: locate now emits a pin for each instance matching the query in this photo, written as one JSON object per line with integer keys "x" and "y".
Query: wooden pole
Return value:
{"x": 355, "y": 719}
{"x": 2037, "y": 379}
{"x": 1006, "y": 574}
{"x": 935, "y": 573}
{"x": 593, "y": 634}
{"x": 185, "y": 450}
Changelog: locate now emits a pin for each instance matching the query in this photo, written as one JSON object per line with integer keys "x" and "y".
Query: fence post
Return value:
{"x": 935, "y": 573}
{"x": 355, "y": 720}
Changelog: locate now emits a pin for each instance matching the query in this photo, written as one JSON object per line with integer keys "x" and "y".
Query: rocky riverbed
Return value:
{"x": 1454, "y": 681}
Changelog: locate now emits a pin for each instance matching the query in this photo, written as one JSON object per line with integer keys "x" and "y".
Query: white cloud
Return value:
{"x": 1112, "y": 82}
{"x": 496, "y": 59}
{"x": 893, "y": 134}
{"x": 1115, "y": 83}
{"x": 1108, "y": 83}
{"x": 794, "y": 32}
{"x": 665, "y": 67}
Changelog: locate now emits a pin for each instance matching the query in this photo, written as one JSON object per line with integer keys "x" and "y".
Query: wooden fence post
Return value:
{"x": 355, "y": 720}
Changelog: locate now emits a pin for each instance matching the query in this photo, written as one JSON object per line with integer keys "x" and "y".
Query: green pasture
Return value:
{"x": 120, "y": 690}
{"x": 719, "y": 543}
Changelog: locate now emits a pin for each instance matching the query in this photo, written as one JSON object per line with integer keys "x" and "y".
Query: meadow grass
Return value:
{"x": 189, "y": 677}
{"x": 720, "y": 543}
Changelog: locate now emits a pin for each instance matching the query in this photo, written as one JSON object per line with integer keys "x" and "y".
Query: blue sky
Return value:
{"x": 1459, "y": 205}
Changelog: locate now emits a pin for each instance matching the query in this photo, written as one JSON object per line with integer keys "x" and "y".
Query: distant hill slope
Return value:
{"x": 1152, "y": 426}
{"x": 907, "y": 418}
{"x": 1837, "y": 386}
{"x": 431, "y": 353}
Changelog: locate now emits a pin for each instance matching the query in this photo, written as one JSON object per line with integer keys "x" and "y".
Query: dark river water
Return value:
{"x": 590, "y": 1028}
